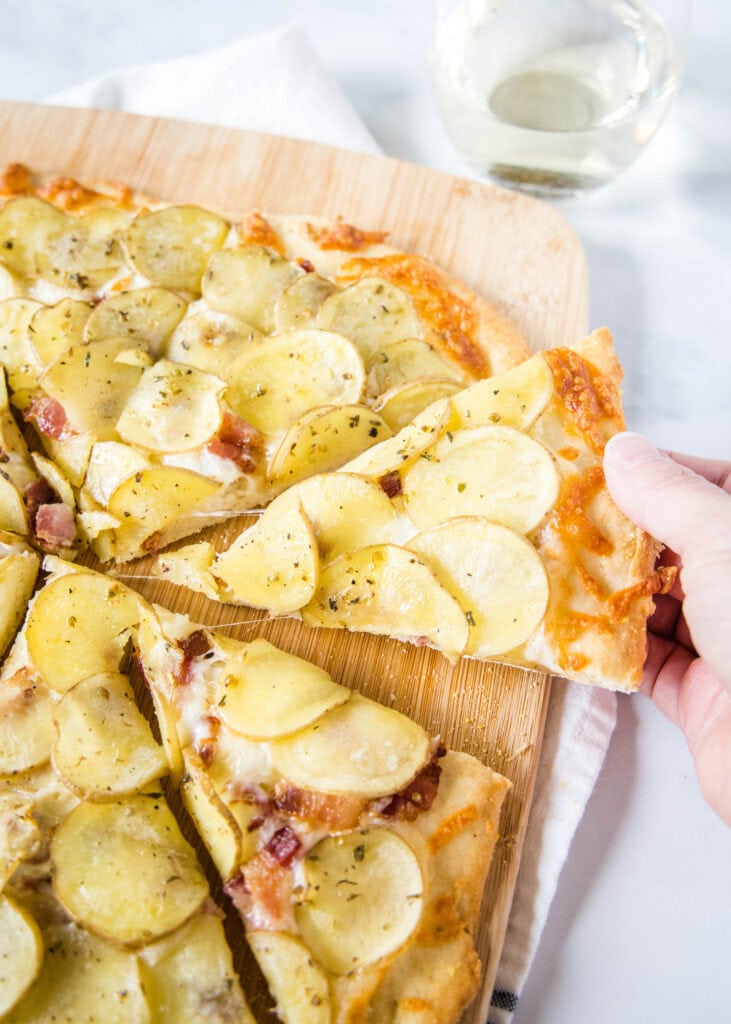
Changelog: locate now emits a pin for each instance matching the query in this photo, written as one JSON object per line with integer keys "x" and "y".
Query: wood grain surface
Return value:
{"x": 513, "y": 250}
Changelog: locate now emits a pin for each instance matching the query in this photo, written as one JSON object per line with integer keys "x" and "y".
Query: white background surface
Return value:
{"x": 640, "y": 930}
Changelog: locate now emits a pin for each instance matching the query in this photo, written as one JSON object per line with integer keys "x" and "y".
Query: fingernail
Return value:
{"x": 627, "y": 450}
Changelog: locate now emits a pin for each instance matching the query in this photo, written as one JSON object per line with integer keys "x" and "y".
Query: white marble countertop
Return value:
{"x": 640, "y": 929}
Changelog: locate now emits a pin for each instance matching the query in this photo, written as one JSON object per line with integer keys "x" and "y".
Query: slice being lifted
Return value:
{"x": 354, "y": 847}
{"x": 493, "y": 535}
{"x": 206, "y": 365}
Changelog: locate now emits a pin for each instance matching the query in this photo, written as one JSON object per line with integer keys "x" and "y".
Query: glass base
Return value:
{"x": 542, "y": 183}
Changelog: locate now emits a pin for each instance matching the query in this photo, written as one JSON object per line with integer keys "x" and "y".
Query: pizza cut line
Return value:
{"x": 483, "y": 528}
{"x": 178, "y": 367}
{"x": 353, "y": 845}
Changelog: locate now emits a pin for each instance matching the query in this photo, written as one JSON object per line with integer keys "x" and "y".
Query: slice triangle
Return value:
{"x": 483, "y": 528}
{"x": 105, "y": 912}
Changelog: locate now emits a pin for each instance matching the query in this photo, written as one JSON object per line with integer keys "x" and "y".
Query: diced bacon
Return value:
{"x": 262, "y": 894}
{"x": 420, "y": 793}
{"x": 390, "y": 484}
{"x": 193, "y": 646}
{"x": 306, "y": 266}
{"x": 49, "y": 418}
{"x": 55, "y": 526}
{"x": 283, "y": 846}
{"x": 239, "y": 442}
{"x": 36, "y": 494}
{"x": 337, "y": 812}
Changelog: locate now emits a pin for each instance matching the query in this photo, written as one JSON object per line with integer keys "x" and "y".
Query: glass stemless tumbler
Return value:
{"x": 556, "y": 96}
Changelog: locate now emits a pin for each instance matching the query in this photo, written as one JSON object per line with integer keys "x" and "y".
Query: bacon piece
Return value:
{"x": 238, "y": 441}
{"x": 49, "y": 418}
{"x": 54, "y": 526}
{"x": 262, "y": 893}
{"x": 337, "y": 812}
{"x": 390, "y": 483}
{"x": 306, "y": 266}
{"x": 193, "y": 646}
{"x": 420, "y": 793}
{"x": 36, "y": 494}
{"x": 344, "y": 237}
{"x": 283, "y": 846}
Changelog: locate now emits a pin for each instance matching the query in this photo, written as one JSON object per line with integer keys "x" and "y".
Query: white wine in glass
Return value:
{"x": 556, "y": 96}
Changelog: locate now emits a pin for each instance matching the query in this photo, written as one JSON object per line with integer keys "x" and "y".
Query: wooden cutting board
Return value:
{"x": 513, "y": 250}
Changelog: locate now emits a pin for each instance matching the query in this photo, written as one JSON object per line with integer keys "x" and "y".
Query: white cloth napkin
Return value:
{"x": 275, "y": 82}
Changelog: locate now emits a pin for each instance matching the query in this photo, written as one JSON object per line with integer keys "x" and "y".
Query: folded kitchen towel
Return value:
{"x": 275, "y": 82}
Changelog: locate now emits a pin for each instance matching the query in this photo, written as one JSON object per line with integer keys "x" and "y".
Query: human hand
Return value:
{"x": 685, "y": 502}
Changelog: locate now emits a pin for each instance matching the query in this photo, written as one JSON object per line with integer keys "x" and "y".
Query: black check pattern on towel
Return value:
{"x": 503, "y": 1000}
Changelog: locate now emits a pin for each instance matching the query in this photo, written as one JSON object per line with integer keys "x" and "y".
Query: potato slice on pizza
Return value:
{"x": 201, "y": 365}
{"x": 105, "y": 911}
{"x": 492, "y": 533}
{"x": 354, "y": 846}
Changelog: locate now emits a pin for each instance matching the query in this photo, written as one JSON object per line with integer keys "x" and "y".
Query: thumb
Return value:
{"x": 669, "y": 501}
{"x": 691, "y": 516}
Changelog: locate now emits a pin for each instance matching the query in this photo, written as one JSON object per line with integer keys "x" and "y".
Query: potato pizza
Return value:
{"x": 177, "y": 366}
{"x": 354, "y": 846}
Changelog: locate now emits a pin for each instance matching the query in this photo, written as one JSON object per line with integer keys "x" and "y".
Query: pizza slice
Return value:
{"x": 484, "y": 528}
{"x": 354, "y": 846}
{"x": 105, "y": 913}
{"x": 178, "y": 366}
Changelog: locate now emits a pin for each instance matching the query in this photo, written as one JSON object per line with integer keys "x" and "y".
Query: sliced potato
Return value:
{"x": 54, "y": 478}
{"x": 78, "y": 626}
{"x": 273, "y": 564}
{"x": 71, "y": 455}
{"x": 18, "y": 573}
{"x": 148, "y": 639}
{"x": 173, "y": 408}
{"x": 146, "y": 316}
{"x": 135, "y": 357}
{"x": 17, "y": 354}
{"x": 515, "y": 398}
{"x": 189, "y": 977}
{"x": 189, "y": 566}
{"x": 246, "y": 283}
{"x": 345, "y": 511}
{"x": 297, "y": 306}
{"x": 13, "y": 516}
{"x": 171, "y": 247}
{"x": 405, "y": 360}
{"x": 214, "y": 822}
{"x": 21, "y": 952}
{"x": 92, "y": 851}
{"x": 379, "y": 868}
{"x": 210, "y": 341}
{"x": 104, "y": 747}
{"x": 325, "y": 439}
{"x": 267, "y": 693}
{"x": 92, "y": 386}
{"x": 372, "y": 313}
{"x": 496, "y": 575}
{"x": 403, "y": 403}
{"x": 27, "y": 226}
{"x": 55, "y": 329}
{"x": 84, "y": 980}
{"x": 359, "y": 747}
{"x": 386, "y": 589}
{"x": 110, "y": 463}
{"x": 87, "y": 254}
{"x": 95, "y": 522}
{"x": 496, "y": 472}
{"x": 397, "y": 453}
{"x": 282, "y": 377}
{"x": 299, "y": 985}
{"x": 27, "y": 731}
{"x": 152, "y": 499}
